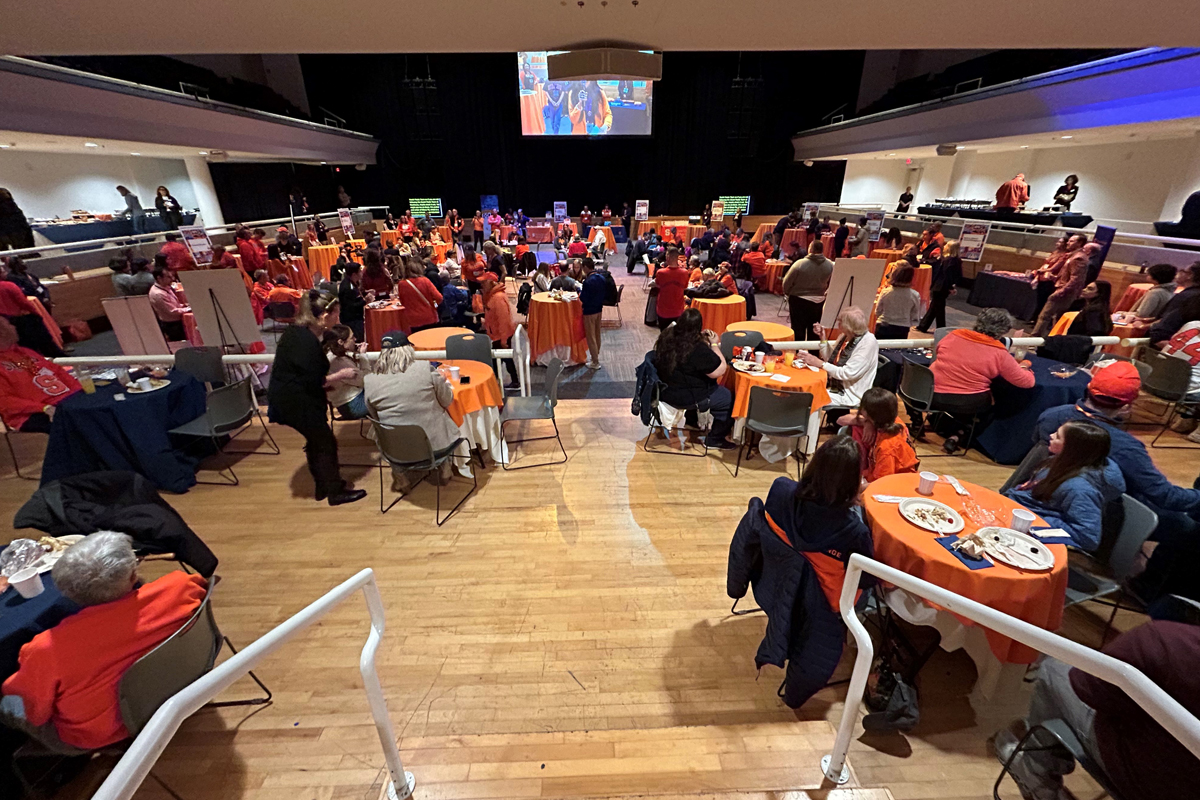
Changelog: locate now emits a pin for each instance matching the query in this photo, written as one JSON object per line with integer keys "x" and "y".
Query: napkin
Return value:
{"x": 958, "y": 487}
{"x": 969, "y": 561}
{"x": 780, "y": 378}
{"x": 887, "y": 498}
{"x": 1050, "y": 535}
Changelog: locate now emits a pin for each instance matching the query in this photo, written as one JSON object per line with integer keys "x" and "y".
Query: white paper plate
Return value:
{"x": 911, "y": 508}
{"x": 133, "y": 389}
{"x": 749, "y": 367}
{"x": 47, "y": 562}
{"x": 1017, "y": 549}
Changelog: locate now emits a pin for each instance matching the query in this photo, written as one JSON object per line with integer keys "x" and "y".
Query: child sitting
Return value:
{"x": 882, "y": 438}
{"x": 342, "y": 351}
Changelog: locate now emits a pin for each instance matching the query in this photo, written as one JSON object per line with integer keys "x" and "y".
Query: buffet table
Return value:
{"x": 66, "y": 232}
{"x": 1011, "y": 291}
{"x": 1046, "y": 218}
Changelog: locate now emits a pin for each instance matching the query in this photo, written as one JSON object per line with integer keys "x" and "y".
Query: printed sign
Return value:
{"x": 197, "y": 241}
{"x": 972, "y": 239}
{"x": 735, "y": 203}
{"x": 560, "y": 211}
{"x": 425, "y": 205}
{"x": 641, "y": 210}
{"x": 811, "y": 211}
{"x": 874, "y": 225}
{"x": 347, "y": 220}
{"x": 718, "y": 209}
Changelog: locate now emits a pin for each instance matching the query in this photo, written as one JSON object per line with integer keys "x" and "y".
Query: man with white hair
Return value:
{"x": 64, "y": 693}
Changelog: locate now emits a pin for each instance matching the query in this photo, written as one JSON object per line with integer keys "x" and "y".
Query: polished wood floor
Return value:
{"x": 565, "y": 635}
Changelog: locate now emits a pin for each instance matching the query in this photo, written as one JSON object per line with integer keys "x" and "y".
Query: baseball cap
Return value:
{"x": 282, "y": 229}
{"x": 1117, "y": 382}
{"x": 393, "y": 339}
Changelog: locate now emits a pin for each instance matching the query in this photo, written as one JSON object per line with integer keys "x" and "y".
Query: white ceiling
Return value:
{"x": 50, "y": 27}
{"x": 20, "y": 141}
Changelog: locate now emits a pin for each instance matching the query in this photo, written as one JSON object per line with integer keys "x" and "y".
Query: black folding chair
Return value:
{"x": 775, "y": 413}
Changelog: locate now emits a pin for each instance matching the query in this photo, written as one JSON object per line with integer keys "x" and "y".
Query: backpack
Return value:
{"x": 524, "y": 296}
{"x": 611, "y": 294}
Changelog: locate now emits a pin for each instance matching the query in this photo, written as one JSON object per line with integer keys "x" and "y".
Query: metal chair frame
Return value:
{"x": 215, "y": 433}
{"x": 802, "y": 401}
{"x": 434, "y": 462}
{"x": 550, "y": 395}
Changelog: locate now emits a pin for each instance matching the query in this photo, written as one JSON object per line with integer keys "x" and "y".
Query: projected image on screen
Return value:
{"x": 580, "y": 108}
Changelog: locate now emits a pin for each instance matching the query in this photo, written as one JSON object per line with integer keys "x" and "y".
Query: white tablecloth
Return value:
{"x": 777, "y": 448}
{"x": 481, "y": 429}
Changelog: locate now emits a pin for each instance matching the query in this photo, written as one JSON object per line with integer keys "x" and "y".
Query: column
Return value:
{"x": 206, "y": 193}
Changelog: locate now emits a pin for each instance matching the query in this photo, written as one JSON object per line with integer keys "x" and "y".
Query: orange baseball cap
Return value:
{"x": 1118, "y": 382}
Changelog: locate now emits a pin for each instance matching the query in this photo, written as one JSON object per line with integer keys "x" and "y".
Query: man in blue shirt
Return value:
{"x": 595, "y": 289}
{"x": 1175, "y": 566}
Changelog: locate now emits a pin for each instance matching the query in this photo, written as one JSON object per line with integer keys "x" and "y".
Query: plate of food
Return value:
{"x": 1016, "y": 549}
{"x": 155, "y": 385}
{"x": 752, "y": 367}
{"x": 931, "y": 515}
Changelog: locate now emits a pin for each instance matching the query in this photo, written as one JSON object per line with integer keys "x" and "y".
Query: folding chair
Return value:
{"x": 654, "y": 415}
{"x": 469, "y": 347}
{"x": 231, "y": 410}
{"x": 775, "y": 413}
{"x": 916, "y": 390}
{"x": 1168, "y": 380}
{"x": 617, "y": 305}
{"x": 1064, "y": 737}
{"x": 8, "y": 432}
{"x": 407, "y": 447}
{"x": 535, "y": 408}
{"x": 738, "y": 339}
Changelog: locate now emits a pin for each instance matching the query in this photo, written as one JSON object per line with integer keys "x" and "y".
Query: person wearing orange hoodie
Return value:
{"x": 260, "y": 295}
{"x": 882, "y": 437}
{"x": 253, "y": 259}
{"x": 498, "y": 321}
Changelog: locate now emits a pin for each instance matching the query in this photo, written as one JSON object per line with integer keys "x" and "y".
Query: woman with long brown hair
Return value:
{"x": 689, "y": 361}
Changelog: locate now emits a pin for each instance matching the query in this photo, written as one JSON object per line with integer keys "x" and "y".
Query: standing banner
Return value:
{"x": 811, "y": 211}
{"x": 347, "y": 220}
{"x": 718, "y": 209}
{"x": 560, "y": 211}
{"x": 874, "y": 225}
{"x": 972, "y": 239}
{"x": 641, "y": 210}
{"x": 197, "y": 241}
{"x": 1104, "y": 237}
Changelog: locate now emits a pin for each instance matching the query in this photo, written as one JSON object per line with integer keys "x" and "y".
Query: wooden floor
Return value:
{"x": 565, "y": 635}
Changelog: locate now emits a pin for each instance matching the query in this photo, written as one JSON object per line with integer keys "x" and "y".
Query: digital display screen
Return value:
{"x": 425, "y": 205}
{"x": 580, "y": 108}
{"x": 735, "y": 203}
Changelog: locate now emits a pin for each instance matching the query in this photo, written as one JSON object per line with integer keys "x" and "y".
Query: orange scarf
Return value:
{"x": 978, "y": 338}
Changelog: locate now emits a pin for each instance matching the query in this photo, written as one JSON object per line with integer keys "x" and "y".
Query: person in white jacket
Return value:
{"x": 851, "y": 361}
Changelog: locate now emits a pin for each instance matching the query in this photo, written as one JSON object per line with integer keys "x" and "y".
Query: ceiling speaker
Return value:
{"x": 947, "y": 149}
{"x": 604, "y": 63}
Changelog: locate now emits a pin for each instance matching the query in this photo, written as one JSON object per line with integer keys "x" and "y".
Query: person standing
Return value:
{"x": 805, "y": 285}
{"x": 627, "y": 219}
{"x": 498, "y": 322}
{"x": 585, "y": 221}
{"x": 737, "y": 220}
{"x": 1066, "y": 194}
{"x": 906, "y": 199}
{"x": 595, "y": 288}
{"x": 169, "y": 208}
{"x": 898, "y": 307}
{"x": 133, "y": 210}
{"x": 18, "y": 273}
{"x": 1012, "y": 194}
{"x": 706, "y": 216}
{"x": 351, "y": 300}
{"x": 840, "y": 238}
{"x": 860, "y": 243}
{"x": 343, "y": 198}
{"x": 672, "y": 281}
{"x": 947, "y": 271}
{"x": 477, "y": 230}
{"x": 1072, "y": 277}
{"x": 296, "y": 394}
{"x": 15, "y": 231}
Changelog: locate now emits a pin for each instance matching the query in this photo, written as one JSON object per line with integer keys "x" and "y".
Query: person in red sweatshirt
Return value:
{"x": 30, "y": 385}
{"x": 253, "y": 259}
{"x": 498, "y": 321}
{"x": 65, "y": 690}
{"x": 671, "y": 280}
{"x": 179, "y": 258}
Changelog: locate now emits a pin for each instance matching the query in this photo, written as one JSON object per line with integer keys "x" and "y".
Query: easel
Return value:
{"x": 219, "y": 312}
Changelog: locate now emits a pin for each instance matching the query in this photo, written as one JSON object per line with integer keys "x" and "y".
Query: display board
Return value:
{"x": 972, "y": 239}
{"x": 874, "y": 225}
{"x": 854, "y": 282}
{"x": 811, "y": 211}
{"x": 198, "y": 243}
{"x": 718, "y": 209}
{"x": 580, "y": 108}
{"x": 421, "y": 206}
{"x": 641, "y": 210}
{"x": 560, "y": 211}
{"x": 734, "y": 203}
{"x": 347, "y": 221}
{"x": 208, "y": 289}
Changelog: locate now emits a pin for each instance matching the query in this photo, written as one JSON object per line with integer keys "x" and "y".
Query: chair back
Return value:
{"x": 916, "y": 385}
{"x": 620, "y": 294}
{"x": 230, "y": 407}
{"x": 1142, "y": 367}
{"x": 777, "y": 409}
{"x": 404, "y": 445}
{"x": 281, "y": 312}
{"x": 202, "y": 363}
{"x": 1028, "y": 465}
{"x": 739, "y": 339}
{"x": 1140, "y": 522}
{"x": 550, "y": 389}
{"x": 942, "y": 333}
{"x": 885, "y": 373}
{"x": 469, "y": 347}
{"x": 174, "y": 664}
{"x": 1169, "y": 376}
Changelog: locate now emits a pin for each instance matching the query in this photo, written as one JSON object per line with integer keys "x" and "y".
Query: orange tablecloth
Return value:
{"x": 556, "y": 330}
{"x": 388, "y": 238}
{"x": 799, "y": 380}
{"x": 1135, "y": 330}
{"x": 440, "y": 251}
{"x": 445, "y": 232}
{"x": 294, "y": 268}
{"x": 827, "y": 240}
{"x": 770, "y": 277}
{"x": 764, "y": 230}
{"x": 796, "y": 236}
{"x": 569, "y": 226}
{"x": 1064, "y": 322}
{"x": 51, "y": 326}
{"x": 190, "y": 331}
{"x": 771, "y": 331}
{"x": 884, "y": 253}
{"x": 378, "y": 321}
{"x": 1035, "y": 597}
{"x": 717, "y": 314}
{"x": 322, "y": 257}
{"x": 539, "y": 234}
{"x": 356, "y": 244}
{"x": 483, "y": 390}
{"x": 1133, "y": 295}
{"x": 434, "y": 338}
{"x": 506, "y": 232}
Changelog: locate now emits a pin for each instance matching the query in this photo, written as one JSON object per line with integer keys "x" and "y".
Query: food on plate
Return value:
{"x": 932, "y": 516}
{"x": 748, "y": 366}
{"x": 51, "y": 544}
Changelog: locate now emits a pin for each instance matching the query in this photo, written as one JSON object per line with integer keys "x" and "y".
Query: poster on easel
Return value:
{"x": 874, "y": 225}
{"x": 854, "y": 282}
{"x": 198, "y": 243}
{"x": 718, "y": 209}
{"x": 560, "y": 211}
{"x": 641, "y": 211}
{"x": 223, "y": 315}
{"x": 347, "y": 221}
{"x": 811, "y": 211}
{"x": 972, "y": 239}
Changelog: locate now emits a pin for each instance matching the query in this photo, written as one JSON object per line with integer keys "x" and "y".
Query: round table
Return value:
{"x": 357, "y": 246}
{"x": 556, "y": 330}
{"x": 1131, "y": 330}
{"x": 1035, "y": 597}
{"x": 800, "y": 379}
{"x": 771, "y": 331}
{"x": 795, "y": 236}
{"x": 434, "y": 338}
{"x": 1132, "y": 295}
{"x": 719, "y": 313}
{"x": 322, "y": 257}
{"x": 885, "y": 254}
{"x": 378, "y": 321}
{"x": 771, "y": 278}
{"x": 476, "y": 410}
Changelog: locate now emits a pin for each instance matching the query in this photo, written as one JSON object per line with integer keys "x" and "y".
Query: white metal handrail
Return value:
{"x": 139, "y": 759}
{"x": 1161, "y": 707}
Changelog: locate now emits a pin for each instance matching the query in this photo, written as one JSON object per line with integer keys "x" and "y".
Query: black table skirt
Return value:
{"x": 1000, "y": 291}
{"x": 1046, "y": 218}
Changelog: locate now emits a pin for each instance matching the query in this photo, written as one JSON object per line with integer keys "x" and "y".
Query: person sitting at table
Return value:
{"x": 282, "y": 292}
{"x": 695, "y": 271}
{"x": 1068, "y": 286}
{"x": 405, "y": 391}
{"x": 296, "y": 393}
{"x": 1185, "y": 345}
{"x": 672, "y": 283}
{"x": 576, "y": 249}
{"x": 18, "y": 273}
{"x": 64, "y": 694}
{"x": 898, "y": 308}
{"x": 25, "y": 315}
{"x": 260, "y": 295}
{"x": 1073, "y": 488}
{"x": 179, "y": 258}
{"x": 456, "y": 302}
{"x": 881, "y": 435}
{"x": 1141, "y": 759}
{"x": 343, "y": 351}
{"x": 375, "y": 277}
{"x": 689, "y": 362}
{"x": 321, "y": 229}
{"x": 131, "y": 278}
{"x": 498, "y": 322}
{"x": 893, "y": 239}
{"x": 165, "y": 302}
{"x": 754, "y": 261}
{"x": 569, "y": 280}
{"x": 542, "y": 277}
{"x": 1094, "y": 319}
{"x": 221, "y": 259}
{"x": 1184, "y": 306}
{"x": 805, "y": 284}
{"x": 286, "y": 244}
{"x": 818, "y": 518}
{"x": 1151, "y": 306}
{"x": 721, "y": 251}
{"x": 966, "y": 363}
{"x": 30, "y": 385}
{"x": 930, "y": 245}
{"x": 840, "y": 236}
{"x": 851, "y": 361}
{"x": 252, "y": 258}
{"x": 947, "y": 272}
{"x": 418, "y": 295}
